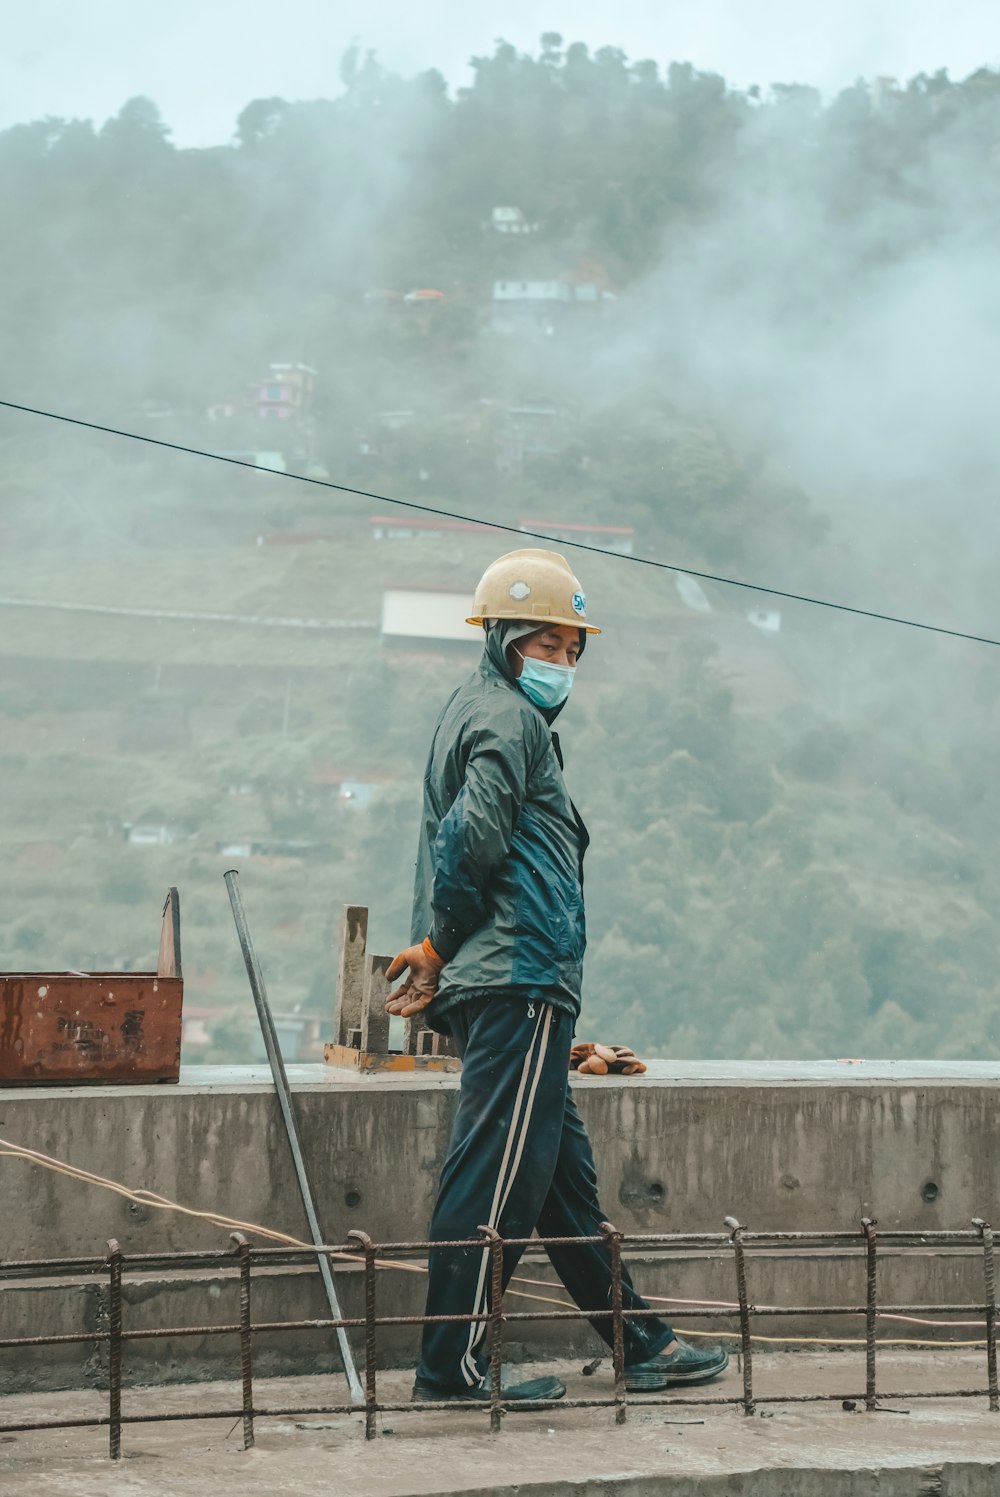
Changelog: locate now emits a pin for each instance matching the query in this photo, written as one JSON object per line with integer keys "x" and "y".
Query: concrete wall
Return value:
{"x": 786, "y": 1147}
{"x": 782, "y": 1148}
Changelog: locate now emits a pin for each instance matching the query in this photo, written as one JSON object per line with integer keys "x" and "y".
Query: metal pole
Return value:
{"x": 288, "y": 1116}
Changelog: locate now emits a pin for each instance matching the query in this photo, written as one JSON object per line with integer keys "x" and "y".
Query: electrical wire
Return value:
{"x": 163, "y": 1203}
{"x": 447, "y": 514}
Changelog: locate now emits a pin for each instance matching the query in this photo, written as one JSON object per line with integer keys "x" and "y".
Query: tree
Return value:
{"x": 258, "y": 120}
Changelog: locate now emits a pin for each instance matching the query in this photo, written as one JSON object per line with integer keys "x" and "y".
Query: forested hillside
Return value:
{"x": 760, "y": 330}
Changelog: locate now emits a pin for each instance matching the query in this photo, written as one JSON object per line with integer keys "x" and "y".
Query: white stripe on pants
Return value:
{"x": 516, "y": 1136}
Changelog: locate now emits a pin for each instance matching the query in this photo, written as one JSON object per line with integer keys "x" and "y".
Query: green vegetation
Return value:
{"x": 782, "y": 376}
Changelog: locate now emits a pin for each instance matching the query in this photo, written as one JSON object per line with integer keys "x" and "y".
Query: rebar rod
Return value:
{"x": 989, "y": 1279}
{"x": 650, "y": 1400}
{"x": 246, "y": 1338}
{"x": 695, "y": 1242}
{"x": 746, "y": 1349}
{"x": 371, "y": 1391}
{"x": 357, "y": 1322}
{"x": 871, "y": 1310}
{"x": 614, "y": 1239}
{"x": 495, "y": 1326}
{"x": 114, "y": 1350}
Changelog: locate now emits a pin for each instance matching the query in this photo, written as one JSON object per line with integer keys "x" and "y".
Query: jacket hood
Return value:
{"x": 506, "y": 632}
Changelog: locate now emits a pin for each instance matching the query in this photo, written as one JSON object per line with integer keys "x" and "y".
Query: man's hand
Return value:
{"x": 424, "y": 968}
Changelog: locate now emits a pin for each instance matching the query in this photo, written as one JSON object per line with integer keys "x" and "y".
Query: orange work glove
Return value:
{"x": 424, "y": 967}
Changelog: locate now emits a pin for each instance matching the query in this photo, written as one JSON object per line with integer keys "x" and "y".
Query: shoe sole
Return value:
{"x": 656, "y": 1382}
{"x": 420, "y": 1395}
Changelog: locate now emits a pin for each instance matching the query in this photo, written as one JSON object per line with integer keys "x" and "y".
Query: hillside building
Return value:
{"x": 511, "y": 221}
{"x": 273, "y": 417}
{"x": 541, "y": 304}
{"x": 427, "y": 615}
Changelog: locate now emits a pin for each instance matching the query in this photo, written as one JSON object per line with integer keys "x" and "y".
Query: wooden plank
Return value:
{"x": 360, "y": 1060}
{"x": 412, "y": 1030}
{"x": 420, "y": 1039}
{"x": 168, "y": 962}
{"x": 374, "y": 1019}
{"x": 105, "y": 1027}
{"x": 351, "y": 971}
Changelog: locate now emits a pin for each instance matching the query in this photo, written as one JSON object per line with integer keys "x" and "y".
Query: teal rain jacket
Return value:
{"x": 499, "y": 877}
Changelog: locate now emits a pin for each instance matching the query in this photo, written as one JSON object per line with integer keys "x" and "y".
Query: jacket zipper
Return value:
{"x": 531, "y": 1008}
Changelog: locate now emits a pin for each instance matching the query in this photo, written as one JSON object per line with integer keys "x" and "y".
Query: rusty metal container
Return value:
{"x": 71, "y": 1027}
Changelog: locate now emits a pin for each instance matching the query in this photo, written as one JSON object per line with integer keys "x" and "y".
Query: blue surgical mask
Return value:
{"x": 543, "y": 683}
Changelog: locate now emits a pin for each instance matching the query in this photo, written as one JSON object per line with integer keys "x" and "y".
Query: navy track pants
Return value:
{"x": 519, "y": 1159}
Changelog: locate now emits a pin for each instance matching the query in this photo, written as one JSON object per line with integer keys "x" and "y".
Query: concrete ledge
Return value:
{"x": 911, "y": 1145}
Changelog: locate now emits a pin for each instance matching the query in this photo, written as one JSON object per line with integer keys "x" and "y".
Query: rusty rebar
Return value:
{"x": 371, "y": 1364}
{"x": 650, "y": 1400}
{"x": 695, "y": 1242}
{"x": 153, "y": 1333}
{"x": 246, "y": 1337}
{"x": 495, "y": 1315}
{"x": 614, "y": 1240}
{"x": 736, "y": 1236}
{"x": 114, "y": 1349}
{"x": 496, "y": 1244}
{"x": 871, "y": 1309}
{"x": 989, "y": 1280}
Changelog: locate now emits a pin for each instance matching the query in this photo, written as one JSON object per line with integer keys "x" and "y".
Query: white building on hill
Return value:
{"x": 427, "y": 615}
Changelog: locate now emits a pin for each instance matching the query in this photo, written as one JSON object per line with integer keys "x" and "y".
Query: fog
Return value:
{"x": 766, "y": 353}
{"x": 858, "y": 351}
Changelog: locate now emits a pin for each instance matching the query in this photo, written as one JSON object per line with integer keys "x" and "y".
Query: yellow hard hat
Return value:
{"x": 531, "y": 585}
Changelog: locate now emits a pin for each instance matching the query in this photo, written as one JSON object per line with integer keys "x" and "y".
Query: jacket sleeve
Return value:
{"x": 475, "y": 834}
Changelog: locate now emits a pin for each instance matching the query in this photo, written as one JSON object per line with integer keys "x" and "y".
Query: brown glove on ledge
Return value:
{"x": 600, "y": 1060}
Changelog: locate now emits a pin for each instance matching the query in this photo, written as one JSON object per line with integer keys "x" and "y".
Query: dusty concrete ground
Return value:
{"x": 936, "y": 1448}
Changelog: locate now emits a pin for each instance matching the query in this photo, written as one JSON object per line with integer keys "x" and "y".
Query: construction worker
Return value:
{"x": 498, "y": 932}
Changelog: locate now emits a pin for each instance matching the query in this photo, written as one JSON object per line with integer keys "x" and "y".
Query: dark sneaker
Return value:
{"x": 527, "y": 1391}
{"x": 684, "y": 1365}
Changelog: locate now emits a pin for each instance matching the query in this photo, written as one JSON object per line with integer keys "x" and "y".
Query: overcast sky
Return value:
{"x": 202, "y": 60}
